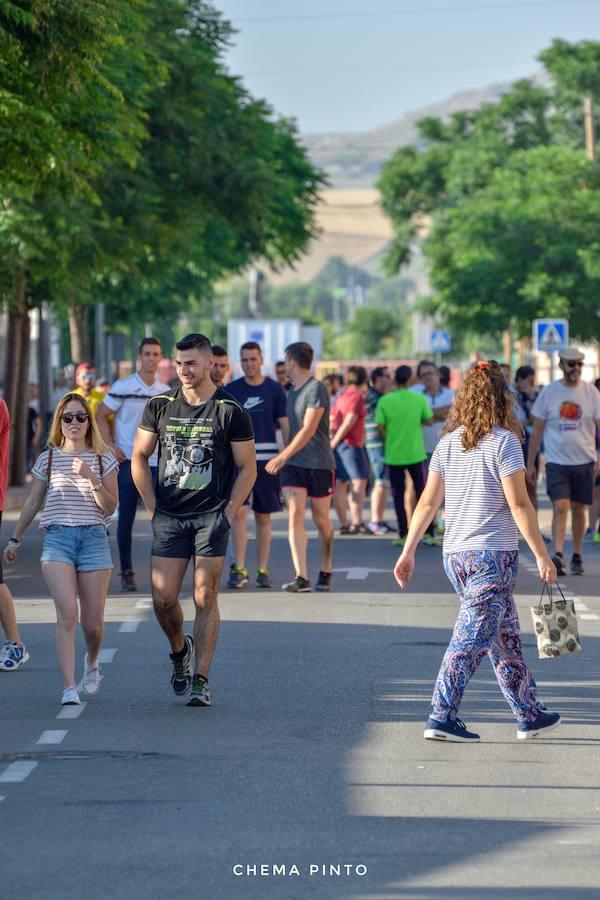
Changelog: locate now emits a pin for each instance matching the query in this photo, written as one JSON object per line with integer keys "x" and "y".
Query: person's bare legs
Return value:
{"x": 340, "y": 500}
{"x": 594, "y": 510}
{"x": 577, "y": 525}
{"x": 559, "y": 523}
{"x": 62, "y": 584}
{"x": 320, "y": 507}
{"x": 263, "y": 539}
{"x": 207, "y": 571}
{"x": 167, "y": 578}
{"x": 356, "y": 500}
{"x": 239, "y": 536}
{"x": 92, "y": 597}
{"x": 8, "y": 618}
{"x": 296, "y": 504}
{"x": 378, "y": 501}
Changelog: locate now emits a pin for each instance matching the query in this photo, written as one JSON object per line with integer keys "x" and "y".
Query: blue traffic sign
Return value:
{"x": 440, "y": 342}
{"x": 550, "y": 334}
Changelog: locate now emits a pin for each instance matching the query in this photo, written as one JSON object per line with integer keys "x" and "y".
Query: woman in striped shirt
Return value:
{"x": 478, "y": 468}
{"x": 75, "y": 481}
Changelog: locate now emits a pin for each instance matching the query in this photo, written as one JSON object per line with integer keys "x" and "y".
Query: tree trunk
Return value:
{"x": 17, "y": 381}
{"x": 81, "y": 346}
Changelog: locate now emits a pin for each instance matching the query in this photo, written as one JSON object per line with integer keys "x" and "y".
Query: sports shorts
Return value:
{"x": 575, "y": 483}
{"x": 316, "y": 482}
{"x": 205, "y": 535}
{"x": 265, "y": 496}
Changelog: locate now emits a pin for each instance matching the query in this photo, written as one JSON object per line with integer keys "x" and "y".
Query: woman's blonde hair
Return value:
{"x": 93, "y": 437}
{"x": 483, "y": 400}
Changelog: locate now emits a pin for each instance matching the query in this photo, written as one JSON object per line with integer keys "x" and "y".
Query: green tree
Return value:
{"x": 373, "y": 330}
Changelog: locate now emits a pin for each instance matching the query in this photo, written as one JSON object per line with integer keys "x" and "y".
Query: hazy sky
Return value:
{"x": 351, "y": 65}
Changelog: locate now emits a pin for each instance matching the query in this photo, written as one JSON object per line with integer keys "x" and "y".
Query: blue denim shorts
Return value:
{"x": 379, "y": 470}
{"x": 85, "y": 547}
{"x": 351, "y": 463}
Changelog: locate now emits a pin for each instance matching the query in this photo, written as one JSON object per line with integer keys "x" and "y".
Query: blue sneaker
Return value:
{"x": 449, "y": 731}
{"x": 12, "y": 656}
{"x": 545, "y": 722}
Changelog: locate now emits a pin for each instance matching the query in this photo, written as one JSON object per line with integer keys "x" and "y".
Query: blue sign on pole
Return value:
{"x": 440, "y": 342}
{"x": 550, "y": 334}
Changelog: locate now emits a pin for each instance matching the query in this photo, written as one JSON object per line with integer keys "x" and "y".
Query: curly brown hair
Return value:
{"x": 483, "y": 400}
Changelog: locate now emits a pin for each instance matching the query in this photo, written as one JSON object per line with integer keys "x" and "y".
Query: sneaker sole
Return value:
{"x": 305, "y": 590}
{"x": 430, "y": 734}
{"x": 530, "y": 735}
{"x": 237, "y": 587}
{"x": 323, "y": 588}
{"x": 195, "y": 701}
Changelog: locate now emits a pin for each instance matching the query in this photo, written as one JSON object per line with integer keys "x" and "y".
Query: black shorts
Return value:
{"x": 205, "y": 535}
{"x": 575, "y": 483}
{"x": 266, "y": 493}
{"x": 316, "y": 482}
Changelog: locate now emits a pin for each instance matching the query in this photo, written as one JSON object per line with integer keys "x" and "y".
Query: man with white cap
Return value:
{"x": 566, "y": 415}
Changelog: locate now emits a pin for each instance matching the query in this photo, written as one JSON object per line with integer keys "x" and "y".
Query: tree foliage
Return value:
{"x": 508, "y": 202}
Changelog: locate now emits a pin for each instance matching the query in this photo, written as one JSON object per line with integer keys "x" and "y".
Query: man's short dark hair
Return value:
{"x": 444, "y": 376}
{"x": 357, "y": 375}
{"x": 402, "y": 375}
{"x": 195, "y": 341}
{"x": 524, "y": 372}
{"x": 217, "y": 350}
{"x": 377, "y": 372}
{"x": 280, "y": 362}
{"x": 149, "y": 341}
{"x": 423, "y": 365}
{"x": 302, "y": 354}
{"x": 251, "y": 345}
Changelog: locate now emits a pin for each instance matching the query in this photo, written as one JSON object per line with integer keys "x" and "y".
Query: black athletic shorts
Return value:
{"x": 574, "y": 483}
{"x": 266, "y": 493}
{"x": 316, "y": 482}
{"x": 205, "y": 535}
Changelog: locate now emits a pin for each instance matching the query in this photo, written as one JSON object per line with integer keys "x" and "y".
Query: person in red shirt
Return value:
{"x": 13, "y": 653}
{"x": 348, "y": 443}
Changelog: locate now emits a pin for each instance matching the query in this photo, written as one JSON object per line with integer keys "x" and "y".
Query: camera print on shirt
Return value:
{"x": 189, "y": 455}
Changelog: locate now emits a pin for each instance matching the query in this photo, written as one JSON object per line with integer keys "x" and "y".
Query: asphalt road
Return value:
{"x": 312, "y": 755}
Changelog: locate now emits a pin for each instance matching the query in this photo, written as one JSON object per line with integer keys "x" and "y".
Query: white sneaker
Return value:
{"x": 70, "y": 697}
{"x": 91, "y": 677}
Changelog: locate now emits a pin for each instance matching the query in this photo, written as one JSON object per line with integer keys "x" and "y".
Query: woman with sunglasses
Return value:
{"x": 75, "y": 481}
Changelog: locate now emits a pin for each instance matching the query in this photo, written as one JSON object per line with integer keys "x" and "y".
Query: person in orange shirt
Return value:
{"x": 13, "y": 652}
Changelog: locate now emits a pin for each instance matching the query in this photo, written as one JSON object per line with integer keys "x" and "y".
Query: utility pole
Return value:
{"x": 590, "y": 128}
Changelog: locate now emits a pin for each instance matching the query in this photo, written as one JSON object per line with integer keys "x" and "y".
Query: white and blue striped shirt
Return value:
{"x": 477, "y": 514}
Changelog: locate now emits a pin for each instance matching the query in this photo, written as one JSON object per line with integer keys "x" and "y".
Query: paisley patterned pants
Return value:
{"x": 487, "y": 623}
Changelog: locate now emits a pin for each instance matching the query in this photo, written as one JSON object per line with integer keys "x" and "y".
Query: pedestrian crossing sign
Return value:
{"x": 440, "y": 342}
{"x": 550, "y": 334}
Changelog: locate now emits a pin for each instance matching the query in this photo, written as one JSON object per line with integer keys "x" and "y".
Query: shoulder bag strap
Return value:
{"x": 49, "y": 468}
{"x": 100, "y": 465}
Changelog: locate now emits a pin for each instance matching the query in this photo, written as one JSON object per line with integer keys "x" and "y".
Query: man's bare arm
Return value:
{"x": 143, "y": 449}
{"x": 244, "y": 457}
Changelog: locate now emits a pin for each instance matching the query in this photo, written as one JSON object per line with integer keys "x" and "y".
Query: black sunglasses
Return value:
{"x": 68, "y": 417}
{"x": 572, "y": 363}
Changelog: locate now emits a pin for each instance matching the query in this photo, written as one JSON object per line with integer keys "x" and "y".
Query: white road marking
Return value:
{"x": 1, "y": 799}
{"x": 17, "y": 771}
{"x": 107, "y": 656}
{"x": 71, "y": 712}
{"x": 359, "y": 573}
{"x": 52, "y": 737}
{"x": 129, "y": 626}
{"x": 145, "y": 603}
{"x": 589, "y": 616}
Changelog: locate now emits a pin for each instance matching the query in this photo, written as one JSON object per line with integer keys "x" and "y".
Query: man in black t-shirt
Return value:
{"x": 206, "y": 469}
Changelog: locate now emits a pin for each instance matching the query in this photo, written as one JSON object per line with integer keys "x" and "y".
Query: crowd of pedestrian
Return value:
{"x": 199, "y": 455}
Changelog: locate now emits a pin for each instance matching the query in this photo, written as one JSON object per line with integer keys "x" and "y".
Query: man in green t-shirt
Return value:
{"x": 400, "y": 416}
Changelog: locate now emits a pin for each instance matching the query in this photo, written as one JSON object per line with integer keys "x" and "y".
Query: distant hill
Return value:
{"x": 355, "y": 160}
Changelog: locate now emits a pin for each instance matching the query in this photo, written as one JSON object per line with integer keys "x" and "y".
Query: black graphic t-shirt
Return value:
{"x": 195, "y": 461}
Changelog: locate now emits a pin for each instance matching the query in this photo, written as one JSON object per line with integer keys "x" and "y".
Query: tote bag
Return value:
{"x": 555, "y": 624}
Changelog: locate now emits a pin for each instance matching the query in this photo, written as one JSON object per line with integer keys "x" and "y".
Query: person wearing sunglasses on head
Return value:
{"x": 566, "y": 415}
{"x": 75, "y": 481}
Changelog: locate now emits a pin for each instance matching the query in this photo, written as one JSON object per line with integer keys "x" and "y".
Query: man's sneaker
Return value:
{"x": 588, "y": 537}
{"x": 379, "y": 528}
{"x": 12, "y": 656}
{"x": 200, "y": 692}
{"x": 238, "y": 577}
{"x": 455, "y": 731}
{"x": 263, "y": 579}
{"x": 399, "y": 541}
{"x": 91, "y": 677}
{"x": 181, "y": 678}
{"x": 559, "y": 562}
{"x": 389, "y": 528}
{"x": 128, "y": 582}
{"x": 323, "y": 581}
{"x": 577, "y": 565}
{"x": 70, "y": 697}
{"x": 432, "y": 540}
{"x": 440, "y": 527}
{"x": 545, "y": 722}
{"x": 299, "y": 585}
{"x": 596, "y": 538}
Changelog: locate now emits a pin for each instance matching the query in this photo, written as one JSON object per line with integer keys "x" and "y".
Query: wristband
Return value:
{"x": 14, "y": 542}
{"x": 96, "y": 487}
